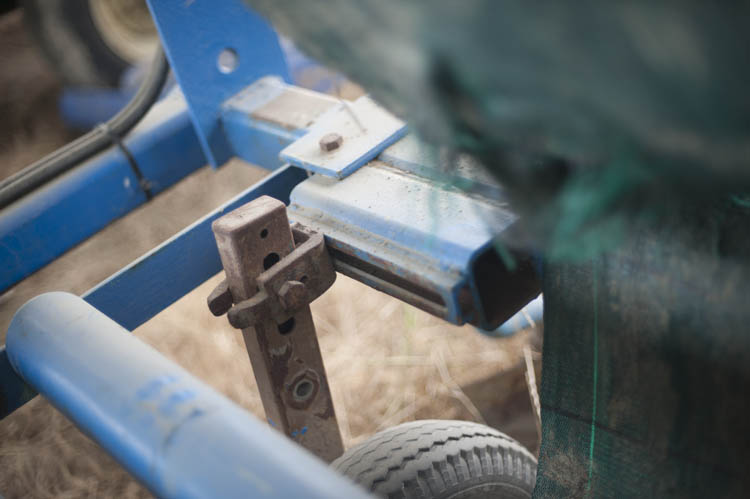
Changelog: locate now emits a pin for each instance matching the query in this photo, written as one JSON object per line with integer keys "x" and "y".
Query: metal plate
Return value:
{"x": 367, "y": 129}
{"x": 198, "y": 37}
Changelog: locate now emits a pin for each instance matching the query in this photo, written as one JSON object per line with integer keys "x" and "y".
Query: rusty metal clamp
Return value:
{"x": 273, "y": 272}
{"x": 286, "y": 287}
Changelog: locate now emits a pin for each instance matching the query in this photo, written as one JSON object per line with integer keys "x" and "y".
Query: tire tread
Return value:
{"x": 428, "y": 459}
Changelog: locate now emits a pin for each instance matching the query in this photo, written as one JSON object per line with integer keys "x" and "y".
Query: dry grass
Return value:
{"x": 387, "y": 362}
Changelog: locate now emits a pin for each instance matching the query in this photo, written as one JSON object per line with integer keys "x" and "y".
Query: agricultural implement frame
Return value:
{"x": 391, "y": 213}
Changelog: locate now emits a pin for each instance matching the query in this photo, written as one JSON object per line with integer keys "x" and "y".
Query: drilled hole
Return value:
{"x": 303, "y": 390}
{"x": 270, "y": 260}
{"x": 264, "y": 233}
{"x": 286, "y": 326}
{"x": 303, "y": 279}
{"x": 228, "y": 60}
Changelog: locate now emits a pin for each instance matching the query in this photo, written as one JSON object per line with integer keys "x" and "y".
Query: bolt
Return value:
{"x": 293, "y": 295}
{"x": 330, "y": 142}
{"x": 303, "y": 390}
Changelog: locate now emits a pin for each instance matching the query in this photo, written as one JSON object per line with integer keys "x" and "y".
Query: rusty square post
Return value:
{"x": 283, "y": 349}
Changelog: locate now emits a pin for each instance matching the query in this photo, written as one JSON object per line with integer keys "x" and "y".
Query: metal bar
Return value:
{"x": 163, "y": 275}
{"x": 43, "y": 225}
{"x": 151, "y": 415}
{"x": 157, "y": 279}
{"x": 429, "y": 244}
{"x": 285, "y": 355}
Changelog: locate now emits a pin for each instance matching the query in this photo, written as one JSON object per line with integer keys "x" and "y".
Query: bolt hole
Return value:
{"x": 286, "y": 326}
{"x": 303, "y": 279}
{"x": 228, "y": 60}
{"x": 270, "y": 260}
{"x": 303, "y": 390}
{"x": 264, "y": 233}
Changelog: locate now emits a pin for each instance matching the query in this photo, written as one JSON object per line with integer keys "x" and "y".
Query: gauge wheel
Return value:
{"x": 441, "y": 460}
{"x": 91, "y": 42}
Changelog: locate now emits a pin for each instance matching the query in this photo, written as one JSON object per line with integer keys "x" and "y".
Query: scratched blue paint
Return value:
{"x": 154, "y": 387}
{"x": 176, "y": 400}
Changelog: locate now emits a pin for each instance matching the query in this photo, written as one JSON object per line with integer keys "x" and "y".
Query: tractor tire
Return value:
{"x": 92, "y": 42}
{"x": 441, "y": 460}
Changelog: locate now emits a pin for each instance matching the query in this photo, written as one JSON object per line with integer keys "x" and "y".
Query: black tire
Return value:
{"x": 441, "y": 460}
{"x": 69, "y": 37}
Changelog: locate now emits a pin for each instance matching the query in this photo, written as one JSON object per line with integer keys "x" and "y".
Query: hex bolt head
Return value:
{"x": 293, "y": 295}
{"x": 330, "y": 142}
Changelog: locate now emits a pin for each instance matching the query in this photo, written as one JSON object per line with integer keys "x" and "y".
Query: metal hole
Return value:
{"x": 303, "y": 279}
{"x": 303, "y": 390}
{"x": 264, "y": 233}
{"x": 270, "y": 260}
{"x": 228, "y": 60}
{"x": 286, "y": 327}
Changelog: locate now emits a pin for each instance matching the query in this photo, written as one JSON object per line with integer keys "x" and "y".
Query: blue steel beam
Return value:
{"x": 157, "y": 279}
{"x": 171, "y": 431}
{"x": 46, "y": 223}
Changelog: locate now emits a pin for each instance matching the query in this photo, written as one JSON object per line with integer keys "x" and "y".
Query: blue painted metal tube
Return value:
{"x": 175, "y": 434}
{"x": 157, "y": 279}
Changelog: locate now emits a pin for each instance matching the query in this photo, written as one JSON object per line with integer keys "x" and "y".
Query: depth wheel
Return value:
{"x": 441, "y": 460}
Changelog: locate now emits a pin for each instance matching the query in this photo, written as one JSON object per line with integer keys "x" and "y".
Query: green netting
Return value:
{"x": 645, "y": 372}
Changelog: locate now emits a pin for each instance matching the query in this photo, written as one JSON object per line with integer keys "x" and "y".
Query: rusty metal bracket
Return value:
{"x": 273, "y": 271}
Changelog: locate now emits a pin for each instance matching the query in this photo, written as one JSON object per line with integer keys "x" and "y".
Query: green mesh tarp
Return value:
{"x": 646, "y": 367}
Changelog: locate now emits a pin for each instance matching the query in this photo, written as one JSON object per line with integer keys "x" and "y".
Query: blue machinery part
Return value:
{"x": 43, "y": 225}
{"x": 401, "y": 223}
{"x": 157, "y": 279}
{"x": 171, "y": 431}
{"x": 215, "y": 49}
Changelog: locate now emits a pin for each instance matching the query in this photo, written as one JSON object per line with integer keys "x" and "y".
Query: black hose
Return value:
{"x": 74, "y": 153}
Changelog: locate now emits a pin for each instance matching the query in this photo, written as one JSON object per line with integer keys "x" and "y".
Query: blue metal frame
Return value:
{"x": 159, "y": 278}
{"x": 179, "y": 437}
{"x": 150, "y": 414}
{"x": 194, "y": 34}
{"x": 43, "y": 225}
{"x": 46, "y": 223}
